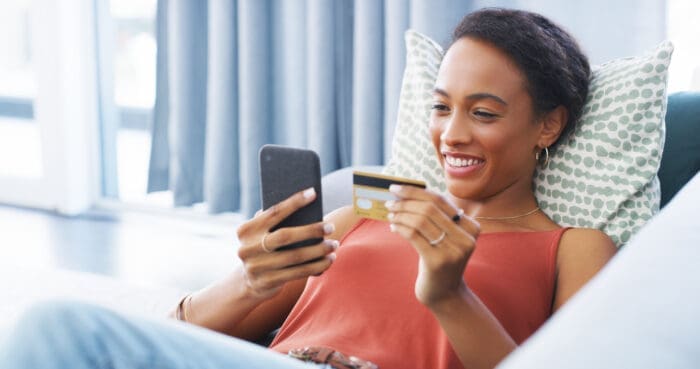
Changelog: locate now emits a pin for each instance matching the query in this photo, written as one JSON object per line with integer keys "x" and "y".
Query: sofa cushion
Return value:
{"x": 603, "y": 175}
{"x": 681, "y": 155}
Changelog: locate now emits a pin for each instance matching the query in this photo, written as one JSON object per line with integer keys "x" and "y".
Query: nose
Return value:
{"x": 457, "y": 130}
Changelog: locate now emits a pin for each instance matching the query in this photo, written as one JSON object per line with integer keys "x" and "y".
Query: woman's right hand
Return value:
{"x": 266, "y": 269}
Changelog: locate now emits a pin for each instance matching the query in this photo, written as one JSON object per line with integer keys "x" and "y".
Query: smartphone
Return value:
{"x": 285, "y": 171}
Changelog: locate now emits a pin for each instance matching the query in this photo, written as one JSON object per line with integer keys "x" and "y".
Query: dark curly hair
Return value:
{"x": 556, "y": 70}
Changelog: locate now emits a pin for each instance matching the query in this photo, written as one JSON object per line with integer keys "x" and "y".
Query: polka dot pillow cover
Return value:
{"x": 603, "y": 175}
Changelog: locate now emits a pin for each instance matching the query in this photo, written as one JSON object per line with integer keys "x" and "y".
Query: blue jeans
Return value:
{"x": 75, "y": 335}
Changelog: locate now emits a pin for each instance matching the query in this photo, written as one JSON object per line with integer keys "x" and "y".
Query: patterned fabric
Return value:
{"x": 412, "y": 153}
{"x": 602, "y": 176}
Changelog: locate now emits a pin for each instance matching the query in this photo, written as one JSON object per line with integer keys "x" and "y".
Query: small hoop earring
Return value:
{"x": 546, "y": 157}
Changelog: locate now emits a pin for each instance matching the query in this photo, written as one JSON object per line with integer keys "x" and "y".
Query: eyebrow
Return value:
{"x": 476, "y": 96}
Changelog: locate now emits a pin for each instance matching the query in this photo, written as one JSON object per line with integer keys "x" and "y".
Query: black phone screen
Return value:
{"x": 285, "y": 171}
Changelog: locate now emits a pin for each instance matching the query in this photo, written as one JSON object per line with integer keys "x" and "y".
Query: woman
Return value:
{"x": 398, "y": 294}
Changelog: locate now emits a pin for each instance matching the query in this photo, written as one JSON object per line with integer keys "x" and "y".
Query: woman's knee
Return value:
{"x": 55, "y": 331}
{"x": 53, "y": 318}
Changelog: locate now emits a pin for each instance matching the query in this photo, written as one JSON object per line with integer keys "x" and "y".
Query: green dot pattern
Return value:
{"x": 603, "y": 175}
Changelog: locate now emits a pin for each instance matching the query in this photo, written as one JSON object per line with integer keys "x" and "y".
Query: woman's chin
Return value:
{"x": 462, "y": 190}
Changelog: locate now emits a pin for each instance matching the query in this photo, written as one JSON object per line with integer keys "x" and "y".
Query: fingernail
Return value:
{"x": 333, "y": 244}
{"x": 390, "y": 216}
{"x": 389, "y": 204}
{"x": 331, "y": 257}
{"x": 328, "y": 228}
{"x": 392, "y": 227}
{"x": 309, "y": 193}
{"x": 395, "y": 188}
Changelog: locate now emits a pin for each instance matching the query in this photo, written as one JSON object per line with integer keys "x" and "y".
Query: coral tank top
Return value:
{"x": 364, "y": 305}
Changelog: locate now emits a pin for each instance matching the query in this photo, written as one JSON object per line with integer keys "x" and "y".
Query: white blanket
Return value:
{"x": 20, "y": 287}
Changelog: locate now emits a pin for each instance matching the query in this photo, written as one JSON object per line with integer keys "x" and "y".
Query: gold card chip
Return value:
{"x": 371, "y": 190}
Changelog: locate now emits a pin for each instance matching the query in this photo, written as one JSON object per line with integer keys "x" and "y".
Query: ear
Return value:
{"x": 553, "y": 123}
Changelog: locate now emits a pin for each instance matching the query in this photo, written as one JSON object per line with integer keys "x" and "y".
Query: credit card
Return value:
{"x": 371, "y": 190}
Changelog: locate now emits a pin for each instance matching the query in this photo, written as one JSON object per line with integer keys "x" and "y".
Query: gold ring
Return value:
{"x": 438, "y": 240}
{"x": 263, "y": 243}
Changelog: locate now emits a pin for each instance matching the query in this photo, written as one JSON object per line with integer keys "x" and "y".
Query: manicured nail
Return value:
{"x": 309, "y": 193}
{"x": 392, "y": 227}
{"x": 389, "y": 204}
{"x": 395, "y": 188}
{"x": 331, "y": 256}
{"x": 328, "y": 228}
{"x": 390, "y": 216}
{"x": 333, "y": 244}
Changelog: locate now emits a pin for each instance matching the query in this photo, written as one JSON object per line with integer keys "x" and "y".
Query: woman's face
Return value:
{"x": 482, "y": 122}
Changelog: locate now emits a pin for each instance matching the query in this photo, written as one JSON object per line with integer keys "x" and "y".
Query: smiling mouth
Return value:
{"x": 457, "y": 162}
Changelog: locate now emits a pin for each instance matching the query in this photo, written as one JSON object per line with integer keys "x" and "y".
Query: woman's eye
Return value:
{"x": 484, "y": 114}
{"x": 440, "y": 107}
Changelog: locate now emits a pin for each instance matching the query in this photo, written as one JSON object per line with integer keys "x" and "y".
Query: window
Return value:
{"x": 20, "y": 141}
{"x": 16, "y": 71}
{"x": 134, "y": 52}
{"x": 684, "y": 72}
{"x": 47, "y": 105}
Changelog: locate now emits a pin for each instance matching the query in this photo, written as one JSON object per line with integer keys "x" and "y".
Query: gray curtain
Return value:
{"x": 233, "y": 75}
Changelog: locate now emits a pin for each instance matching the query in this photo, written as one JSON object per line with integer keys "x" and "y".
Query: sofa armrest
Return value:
{"x": 681, "y": 155}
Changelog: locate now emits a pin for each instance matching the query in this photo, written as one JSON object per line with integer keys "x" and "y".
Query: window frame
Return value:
{"x": 65, "y": 109}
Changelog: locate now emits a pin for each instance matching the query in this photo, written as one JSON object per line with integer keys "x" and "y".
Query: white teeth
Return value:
{"x": 458, "y": 162}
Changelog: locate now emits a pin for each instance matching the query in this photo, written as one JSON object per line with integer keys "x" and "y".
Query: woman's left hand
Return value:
{"x": 444, "y": 245}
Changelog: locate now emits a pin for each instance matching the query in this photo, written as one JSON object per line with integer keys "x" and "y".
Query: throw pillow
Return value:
{"x": 603, "y": 175}
{"x": 412, "y": 153}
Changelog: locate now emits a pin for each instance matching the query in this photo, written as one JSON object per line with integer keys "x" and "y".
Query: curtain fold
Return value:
{"x": 187, "y": 82}
{"x": 256, "y": 91}
{"x": 322, "y": 71}
{"x": 368, "y": 82}
{"x": 233, "y": 75}
{"x": 397, "y": 17}
{"x": 430, "y": 18}
{"x": 222, "y": 174}
{"x": 343, "y": 74}
{"x": 289, "y": 72}
{"x": 159, "y": 161}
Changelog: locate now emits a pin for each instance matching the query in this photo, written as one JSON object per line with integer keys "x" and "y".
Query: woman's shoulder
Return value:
{"x": 585, "y": 239}
{"x": 582, "y": 253}
{"x": 585, "y": 245}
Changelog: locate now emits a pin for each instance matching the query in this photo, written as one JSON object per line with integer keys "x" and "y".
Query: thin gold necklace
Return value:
{"x": 511, "y": 217}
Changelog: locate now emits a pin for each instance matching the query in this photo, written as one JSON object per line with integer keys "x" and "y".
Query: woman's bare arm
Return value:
{"x": 234, "y": 307}
{"x": 479, "y": 340}
{"x": 582, "y": 253}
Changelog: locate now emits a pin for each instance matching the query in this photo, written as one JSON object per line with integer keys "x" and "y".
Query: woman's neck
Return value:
{"x": 515, "y": 200}
{"x": 508, "y": 210}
